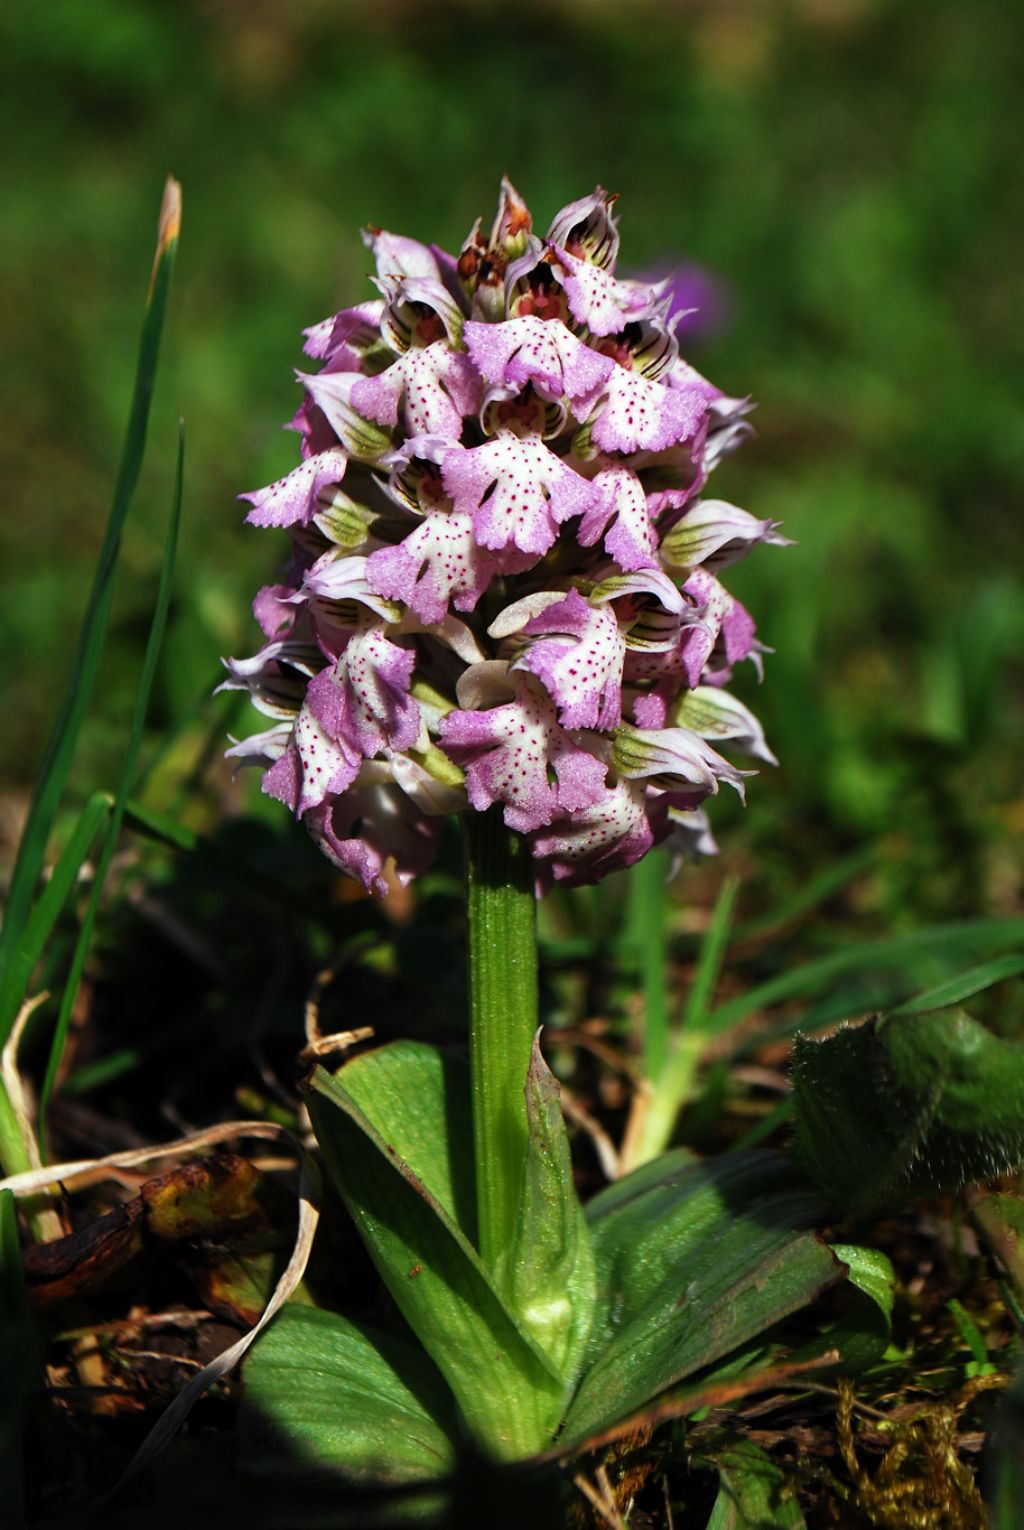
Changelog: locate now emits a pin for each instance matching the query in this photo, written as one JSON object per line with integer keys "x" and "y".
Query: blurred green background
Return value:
{"x": 848, "y": 168}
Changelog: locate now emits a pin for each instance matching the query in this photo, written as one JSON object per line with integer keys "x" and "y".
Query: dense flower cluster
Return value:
{"x": 504, "y": 583}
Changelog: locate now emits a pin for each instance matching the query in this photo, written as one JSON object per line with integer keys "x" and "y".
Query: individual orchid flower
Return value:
{"x": 504, "y": 588}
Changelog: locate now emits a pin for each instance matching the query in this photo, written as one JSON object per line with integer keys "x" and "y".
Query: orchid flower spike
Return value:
{"x": 503, "y": 586}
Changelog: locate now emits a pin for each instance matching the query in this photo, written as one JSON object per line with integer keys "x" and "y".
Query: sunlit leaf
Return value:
{"x": 548, "y": 1280}
{"x": 324, "y": 1395}
{"x": 507, "y": 1391}
{"x": 693, "y": 1261}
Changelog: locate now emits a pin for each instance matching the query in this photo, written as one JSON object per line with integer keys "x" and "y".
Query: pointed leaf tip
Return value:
{"x": 169, "y": 225}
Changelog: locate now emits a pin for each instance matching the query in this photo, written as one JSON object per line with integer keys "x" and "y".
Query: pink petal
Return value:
{"x": 597, "y": 299}
{"x": 541, "y": 352}
{"x": 619, "y": 513}
{"x": 438, "y": 562}
{"x": 640, "y": 415}
{"x": 294, "y": 498}
{"x": 577, "y": 655}
{"x": 364, "y": 698}
{"x": 516, "y": 490}
{"x": 584, "y": 846}
{"x": 437, "y": 386}
{"x": 518, "y": 755}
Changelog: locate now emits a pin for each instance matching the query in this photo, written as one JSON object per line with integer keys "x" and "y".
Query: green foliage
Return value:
{"x": 673, "y": 1268}
{"x": 693, "y": 1260}
{"x": 752, "y": 1494}
{"x": 509, "y": 1393}
{"x": 907, "y": 1105}
{"x": 325, "y": 1396}
{"x": 548, "y": 1275}
{"x": 57, "y": 764}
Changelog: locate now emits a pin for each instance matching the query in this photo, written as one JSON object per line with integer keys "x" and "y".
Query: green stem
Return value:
{"x": 501, "y": 915}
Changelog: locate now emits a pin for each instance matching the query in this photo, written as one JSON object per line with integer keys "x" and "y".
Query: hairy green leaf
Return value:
{"x": 907, "y": 1105}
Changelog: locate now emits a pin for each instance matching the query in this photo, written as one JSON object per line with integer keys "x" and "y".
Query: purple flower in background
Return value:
{"x": 503, "y": 587}
{"x": 699, "y": 301}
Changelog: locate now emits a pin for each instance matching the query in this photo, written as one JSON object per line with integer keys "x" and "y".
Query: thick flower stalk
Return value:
{"x": 504, "y": 584}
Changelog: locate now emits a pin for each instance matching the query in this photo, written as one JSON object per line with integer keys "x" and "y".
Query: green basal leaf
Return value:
{"x": 326, "y": 1395}
{"x": 646, "y": 1223}
{"x": 752, "y": 1493}
{"x": 693, "y": 1260}
{"x": 548, "y": 1281}
{"x": 506, "y": 1389}
{"x": 907, "y": 1105}
{"x": 417, "y": 1097}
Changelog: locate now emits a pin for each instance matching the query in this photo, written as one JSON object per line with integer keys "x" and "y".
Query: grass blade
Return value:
{"x": 60, "y": 750}
{"x": 149, "y": 663}
{"x": 709, "y": 963}
{"x": 964, "y": 986}
{"x": 648, "y": 939}
{"x": 951, "y": 943}
{"x": 49, "y": 905}
{"x": 808, "y": 898}
{"x": 670, "y": 1087}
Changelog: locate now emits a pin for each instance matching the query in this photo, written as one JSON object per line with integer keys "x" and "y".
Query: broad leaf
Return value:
{"x": 693, "y": 1261}
{"x": 907, "y": 1105}
{"x": 752, "y": 1492}
{"x": 549, "y": 1279}
{"x": 863, "y": 1332}
{"x": 325, "y": 1395}
{"x": 644, "y": 1224}
{"x": 506, "y": 1389}
{"x": 417, "y": 1097}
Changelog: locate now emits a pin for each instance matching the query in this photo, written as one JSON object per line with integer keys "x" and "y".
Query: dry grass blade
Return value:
{"x": 711, "y": 1395}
